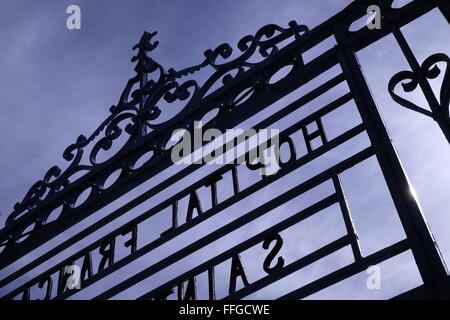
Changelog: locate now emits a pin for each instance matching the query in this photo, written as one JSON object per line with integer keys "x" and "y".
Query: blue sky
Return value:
{"x": 56, "y": 84}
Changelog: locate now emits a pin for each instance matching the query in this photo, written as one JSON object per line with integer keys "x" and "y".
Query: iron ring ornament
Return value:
{"x": 139, "y": 106}
{"x": 409, "y": 81}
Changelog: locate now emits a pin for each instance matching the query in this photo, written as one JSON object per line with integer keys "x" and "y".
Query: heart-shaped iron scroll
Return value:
{"x": 430, "y": 70}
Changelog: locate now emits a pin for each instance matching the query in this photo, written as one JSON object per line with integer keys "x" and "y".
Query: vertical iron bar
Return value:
{"x": 351, "y": 231}
{"x": 211, "y": 284}
{"x": 423, "y": 246}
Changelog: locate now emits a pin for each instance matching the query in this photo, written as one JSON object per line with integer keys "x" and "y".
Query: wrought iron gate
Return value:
{"x": 53, "y": 206}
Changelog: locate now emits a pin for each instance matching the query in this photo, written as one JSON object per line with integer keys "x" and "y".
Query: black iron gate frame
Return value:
{"x": 252, "y": 81}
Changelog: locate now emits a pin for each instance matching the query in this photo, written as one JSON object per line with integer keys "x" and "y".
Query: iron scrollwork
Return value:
{"x": 410, "y": 80}
{"x": 137, "y": 109}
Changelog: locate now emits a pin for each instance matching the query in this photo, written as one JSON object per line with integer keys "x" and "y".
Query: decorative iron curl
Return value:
{"x": 138, "y": 104}
{"x": 430, "y": 70}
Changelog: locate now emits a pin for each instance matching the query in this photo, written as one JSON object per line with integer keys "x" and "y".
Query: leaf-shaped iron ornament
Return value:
{"x": 409, "y": 81}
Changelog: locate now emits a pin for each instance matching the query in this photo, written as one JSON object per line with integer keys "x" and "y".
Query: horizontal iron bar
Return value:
{"x": 277, "y": 228}
{"x": 347, "y": 271}
{"x": 291, "y": 268}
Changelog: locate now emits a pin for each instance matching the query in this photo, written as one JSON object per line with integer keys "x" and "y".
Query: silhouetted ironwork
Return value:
{"x": 243, "y": 89}
{"x": 428, "y": 70}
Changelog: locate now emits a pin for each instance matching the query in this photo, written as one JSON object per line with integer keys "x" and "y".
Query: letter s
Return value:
{"x": 275, "y": 250}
